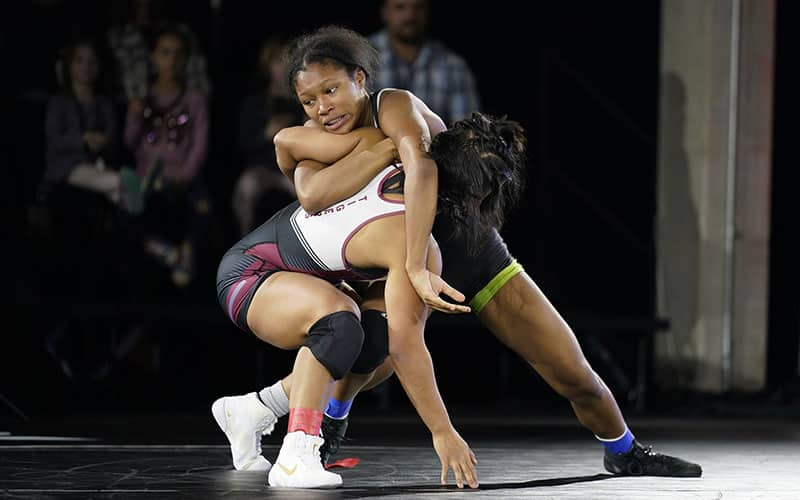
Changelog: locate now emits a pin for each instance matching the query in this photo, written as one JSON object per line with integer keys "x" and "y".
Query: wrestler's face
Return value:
{"x": 331, "y": 97}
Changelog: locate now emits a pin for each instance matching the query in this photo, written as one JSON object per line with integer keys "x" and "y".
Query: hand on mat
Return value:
{"x": 429, "y": 286}
{"x": 454, "y": 453}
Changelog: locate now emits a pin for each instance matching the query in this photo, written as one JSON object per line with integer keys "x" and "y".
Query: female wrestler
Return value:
{"x": 269, "y": 283}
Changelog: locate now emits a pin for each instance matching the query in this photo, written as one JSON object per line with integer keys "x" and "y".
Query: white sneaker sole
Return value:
{"x": 277, "y": 480}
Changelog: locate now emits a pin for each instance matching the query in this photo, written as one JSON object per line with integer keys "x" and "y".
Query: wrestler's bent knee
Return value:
{"x": 336, "y": 341}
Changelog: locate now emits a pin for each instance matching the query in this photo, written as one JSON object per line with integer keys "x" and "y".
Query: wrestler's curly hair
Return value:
{"x": 481, "y": 161}
{"x": 332, "y": 44}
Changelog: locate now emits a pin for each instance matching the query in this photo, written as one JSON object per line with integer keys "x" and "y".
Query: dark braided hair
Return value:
{"x": 481, "y": 162}
{"x": 337, "y": 45}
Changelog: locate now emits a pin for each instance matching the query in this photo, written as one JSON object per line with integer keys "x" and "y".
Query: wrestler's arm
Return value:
{"x": 304, "y": 155}
{"x": 294, "y": 144}
{"x": 413, "y": 365}
{"x": 402, "y": 120}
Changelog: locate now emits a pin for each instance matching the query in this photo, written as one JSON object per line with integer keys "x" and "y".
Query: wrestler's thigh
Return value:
{"x": 287, "y": 304}
{"x": 521, "y": 317}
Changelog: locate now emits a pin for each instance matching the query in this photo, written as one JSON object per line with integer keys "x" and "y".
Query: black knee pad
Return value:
{"x": 335, "y": 340}
{"x": 376, "y": 342}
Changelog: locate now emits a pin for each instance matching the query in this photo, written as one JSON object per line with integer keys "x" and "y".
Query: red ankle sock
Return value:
{"x": 306, "y": 420}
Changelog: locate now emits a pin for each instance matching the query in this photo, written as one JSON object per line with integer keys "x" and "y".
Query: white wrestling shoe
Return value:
{"x": 244, "y": 419}
{"x": 298, "y": 464}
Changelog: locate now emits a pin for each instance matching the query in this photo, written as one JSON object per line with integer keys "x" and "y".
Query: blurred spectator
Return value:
{"x": 80, "y": 214}
{"x": 411, "y": 60}
{"x": 129, "y": 43}
{"x": 81, "y": 133}
{"x": 262, "y": 188}
{"x": 167, "y": 131}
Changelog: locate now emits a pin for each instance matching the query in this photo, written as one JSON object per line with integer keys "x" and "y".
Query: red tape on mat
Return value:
{"x": 346, "y": 463}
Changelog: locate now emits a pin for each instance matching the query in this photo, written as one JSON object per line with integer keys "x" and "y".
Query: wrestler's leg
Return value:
{"x": 522, "y": 318}
{"x": 289, "y": 309}
{"x": 352, "y": 383}
{"x": 285, "y": 311}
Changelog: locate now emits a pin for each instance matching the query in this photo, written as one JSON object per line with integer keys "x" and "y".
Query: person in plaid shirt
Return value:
{"x": 413, "y": 61}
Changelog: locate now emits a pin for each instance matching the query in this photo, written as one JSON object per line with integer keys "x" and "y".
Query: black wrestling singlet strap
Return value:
{"x": 373, "y": 101}
{"x": 395, "y": 183}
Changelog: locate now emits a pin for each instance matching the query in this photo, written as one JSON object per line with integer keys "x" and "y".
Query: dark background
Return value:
{"x": 582, "y": 78}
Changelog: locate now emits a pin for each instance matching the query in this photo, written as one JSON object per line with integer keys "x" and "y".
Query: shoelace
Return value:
{"x": 309, "y": 442}
{"x": 658, "y": 460}
{"x": 334, "y": 444}
{"x": 333, "y": 439}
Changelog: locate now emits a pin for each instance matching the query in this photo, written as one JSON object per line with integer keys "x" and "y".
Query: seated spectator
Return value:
{"x": 128, "y": 38}
{"x": 81, "y": 133}
{"x": 413, "y": 60}
{"x": 167, "y": 130}
{"x": 261, "y": 188}
{"x": 85, "y": 200}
